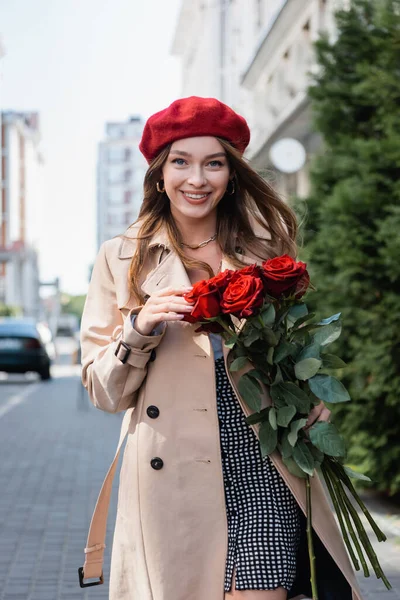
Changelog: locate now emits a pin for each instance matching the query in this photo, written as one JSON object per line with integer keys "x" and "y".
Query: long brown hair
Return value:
{"x": 254, "y": 199}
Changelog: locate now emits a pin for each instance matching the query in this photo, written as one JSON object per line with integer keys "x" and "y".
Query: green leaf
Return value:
{"x": 303, "y": 320}
{"x": 270, "y": 356}
{"x": 317, "y": 454}
{"x": 238, "y": 363}
{"x": 327, "y": 334}
{"x": 256, "y": 374}
{"x": 229, "y": 343}
{"x": 326, "y": 438}
{"x": 283, "y": 350}
{"x": 310, "y": 351}
{"x": 293, "y": 468}
{"x": 295, "y": 427}
{"x": 330, "y": 320}
{"x": 296, "y": 312}
{"x": 285, "y": 414}
{"x": 251, "y": 337}
{"x": 278, "y": 376}
{"x": 303, "y": 457}
{"x": 270, "y": 337}
{"x": 272, "y": 418}
{"x": 293, "y": 395}
{"x": 307, "y": 368}
{"x": 286, "y": 448}
{"x": 268, "y": 315}
{"x": 258, "y": 417}
{"x": 268, "y": 438}
{"x": 356, "y": 475}
{"x": 250, "y": 391}
{"x": 328, "y": 389}
{"x": 330, "y": 361}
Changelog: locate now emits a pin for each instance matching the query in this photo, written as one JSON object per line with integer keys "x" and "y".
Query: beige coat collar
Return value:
{"x": 170, "y": 270}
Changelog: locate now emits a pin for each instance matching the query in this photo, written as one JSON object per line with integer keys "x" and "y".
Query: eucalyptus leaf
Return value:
{"x": 258, "y": 417}
{"x": 268, "y": 438}
{"x": 268, "y": 315}
{"x": 307, "y": 368}
{"x": 326, "y": 438}
{"x": 327, "y": 334}
{"x": 251, "y": 337}
{"x": 296, "y": 312}
{"x": 303, "y": 319}
{"x": 271, "y": 337}
{"x": 229, "y": 343}
{"x": 293, "y": 467}
{"x": 330, "y": 320}
{"x": 330, "y": 361}
{"x": 270, "y": 355}
{"x": 317, "y": 454}
{"x": 278, "y": 375}
{"x": 293, "y": 396}
{"x": 283, "y": 350}
{"x": 356, "y": 475}
{"x": 295, "y": 427}
{"x": 238, "y": 363}
{"x": 272, "y": 418}
{"x": 256, "y": 374}
{"x": 250, "y": 391}
{"x": 328, "y": 389}
{"x": 310, "y": 351}
{"x": 285, "y": 414}
{"x": 286, "y": 448}
{"x": 303, "y": 457}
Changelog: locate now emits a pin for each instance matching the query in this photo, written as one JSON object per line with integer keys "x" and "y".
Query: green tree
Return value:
{"x": 352, "y": 233}
{"x": 73, "y": 305}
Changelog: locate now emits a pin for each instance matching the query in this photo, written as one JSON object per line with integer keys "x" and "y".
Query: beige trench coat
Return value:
{"x": 170, "y": 539}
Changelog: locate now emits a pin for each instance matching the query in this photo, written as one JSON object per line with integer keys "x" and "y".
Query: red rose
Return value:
{"x": 244, "y": 294}
{"x": 222, "y": 279}
{"x": 283, "y": 275}
{"x": 206, "y": 298}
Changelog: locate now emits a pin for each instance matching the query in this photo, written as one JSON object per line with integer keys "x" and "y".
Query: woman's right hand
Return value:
{"x": 167, "y": 304}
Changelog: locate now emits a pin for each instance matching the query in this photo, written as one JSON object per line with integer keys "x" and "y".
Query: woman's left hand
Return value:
{"x": 318, "y": 413}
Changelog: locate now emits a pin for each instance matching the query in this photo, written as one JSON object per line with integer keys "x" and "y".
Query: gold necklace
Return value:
{"x": 202, "y": 244}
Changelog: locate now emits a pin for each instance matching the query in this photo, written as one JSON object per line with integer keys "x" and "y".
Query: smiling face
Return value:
{"x": 196, "y": 175}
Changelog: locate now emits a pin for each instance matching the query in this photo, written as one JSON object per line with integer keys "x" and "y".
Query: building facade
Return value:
{"x": 258, "y": 57}
{"x": 120, "y": 172}
{"x": 21, "y": 218}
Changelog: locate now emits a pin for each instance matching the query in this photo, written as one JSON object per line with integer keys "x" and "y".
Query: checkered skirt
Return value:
{"x": 262, "y": 514}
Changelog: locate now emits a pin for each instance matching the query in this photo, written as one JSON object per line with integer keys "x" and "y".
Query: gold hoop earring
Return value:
{"x": 233, "y": 188}
{"x": 159, "y": 188}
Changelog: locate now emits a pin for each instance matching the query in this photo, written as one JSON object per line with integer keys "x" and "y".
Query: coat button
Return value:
{"x": 157, "y": 463}
{"x": 153, "y": 412}
{"x": 153, "y": 355}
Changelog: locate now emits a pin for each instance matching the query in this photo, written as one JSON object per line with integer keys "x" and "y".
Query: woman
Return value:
{"x": 200, "y": 515}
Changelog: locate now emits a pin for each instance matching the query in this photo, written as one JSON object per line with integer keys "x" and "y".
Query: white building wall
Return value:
{"x": 23, "y": 217}
{"x": 263, "y": 65}
{"x": 120, "y": 174}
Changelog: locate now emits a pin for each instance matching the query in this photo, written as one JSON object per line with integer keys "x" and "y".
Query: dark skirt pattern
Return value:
{"x": 262, "y": 514}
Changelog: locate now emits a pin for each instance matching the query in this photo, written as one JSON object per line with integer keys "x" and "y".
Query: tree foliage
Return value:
{"x": 352, "y": 232}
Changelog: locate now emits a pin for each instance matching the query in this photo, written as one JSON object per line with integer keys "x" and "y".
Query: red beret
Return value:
{"x": 192, "y": 117}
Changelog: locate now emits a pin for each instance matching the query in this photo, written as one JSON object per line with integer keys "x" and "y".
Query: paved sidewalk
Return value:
{"x": 56, "y": 449}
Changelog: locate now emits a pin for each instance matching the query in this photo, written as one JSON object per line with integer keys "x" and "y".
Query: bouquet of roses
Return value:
{"x": 261, "y": 314}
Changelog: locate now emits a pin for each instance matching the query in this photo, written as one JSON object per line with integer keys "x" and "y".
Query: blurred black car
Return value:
{"x": 23, "y": 347}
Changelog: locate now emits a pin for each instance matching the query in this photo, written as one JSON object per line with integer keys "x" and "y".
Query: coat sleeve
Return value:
{"x": 112, "y": 385}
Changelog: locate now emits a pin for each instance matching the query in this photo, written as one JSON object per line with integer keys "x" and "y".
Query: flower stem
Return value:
{"x": 339, "y": 494}
{"x": 341, "y": 473}
{"x": 340, "y": 516}
{"x": 310, "y": 544}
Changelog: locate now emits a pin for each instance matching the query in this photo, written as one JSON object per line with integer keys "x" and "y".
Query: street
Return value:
{"x": 55, "y": 450}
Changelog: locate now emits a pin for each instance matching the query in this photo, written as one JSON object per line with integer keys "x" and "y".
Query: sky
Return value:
{"x": 81, "y": 63}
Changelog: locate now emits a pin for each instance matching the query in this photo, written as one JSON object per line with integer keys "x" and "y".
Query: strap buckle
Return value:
{"x": 85, "y": 585}
{"x": 127, "y": 351}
